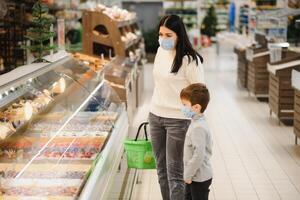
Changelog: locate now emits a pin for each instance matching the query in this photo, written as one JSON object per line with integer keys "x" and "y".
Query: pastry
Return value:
{"x": 59, "y": 86}
{"x": 55, "y": 116}
{"x": 107, "y": 116}
{"x": 27, "y": 111}
{"x": 6, "y": 129}
{"x": 11, "y": 153}
{"x": 18, "y": 112}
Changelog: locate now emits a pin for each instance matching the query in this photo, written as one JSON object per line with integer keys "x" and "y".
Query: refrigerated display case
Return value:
{"x": 62, "y": 128}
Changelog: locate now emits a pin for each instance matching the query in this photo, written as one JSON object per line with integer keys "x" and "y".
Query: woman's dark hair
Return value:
{"x": 183, "y": 46}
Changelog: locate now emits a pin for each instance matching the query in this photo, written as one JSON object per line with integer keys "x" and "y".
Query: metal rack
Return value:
{"x": 12, "y": 37}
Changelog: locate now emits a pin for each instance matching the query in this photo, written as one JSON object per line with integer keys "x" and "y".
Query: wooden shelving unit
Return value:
{"x": 103, "y": 35}
{"x": 281, "y": 93}
{"x": 242, "y": 72}
{"x": 106, "y": 37}
{"x": 258, "y": 75}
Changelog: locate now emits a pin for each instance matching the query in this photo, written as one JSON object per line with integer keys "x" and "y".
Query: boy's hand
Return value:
{"x": 188, "y": 181}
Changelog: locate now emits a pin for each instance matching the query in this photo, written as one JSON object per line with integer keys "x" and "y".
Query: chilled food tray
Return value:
{"x": 10, "y": 174}
{"x": 89, "y": 121}
{"x": 67, "y": 148}
{"x": 40, "y": 187}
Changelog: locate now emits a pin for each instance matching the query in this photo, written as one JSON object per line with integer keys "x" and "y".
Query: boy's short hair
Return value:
{"x": 197, "y": 94}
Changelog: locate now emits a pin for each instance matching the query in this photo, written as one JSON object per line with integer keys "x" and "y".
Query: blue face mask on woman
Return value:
{"x": 167, "y": 43}
{"x": 187, "y": 112}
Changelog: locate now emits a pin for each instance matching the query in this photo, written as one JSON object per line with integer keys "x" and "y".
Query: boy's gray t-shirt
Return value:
{"x": 198, "y": 151}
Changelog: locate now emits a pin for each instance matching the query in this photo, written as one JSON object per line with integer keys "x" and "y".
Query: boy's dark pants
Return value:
{"x": 197, "y": 190}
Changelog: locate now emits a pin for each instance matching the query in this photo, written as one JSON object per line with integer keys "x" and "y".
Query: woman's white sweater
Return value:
{"x": 167, "y": 86}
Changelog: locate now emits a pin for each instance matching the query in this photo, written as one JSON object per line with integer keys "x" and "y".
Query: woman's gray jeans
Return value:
{"x": 167, "y": 136}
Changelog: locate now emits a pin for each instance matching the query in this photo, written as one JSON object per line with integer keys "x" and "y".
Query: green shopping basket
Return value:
{"x": 139, "y": 151}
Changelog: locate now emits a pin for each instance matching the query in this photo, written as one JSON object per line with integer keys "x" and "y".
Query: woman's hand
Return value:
{"x": 188, "y": 181}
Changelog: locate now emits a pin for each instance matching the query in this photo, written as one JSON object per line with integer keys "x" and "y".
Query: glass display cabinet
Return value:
{"x": 61, "y": 131}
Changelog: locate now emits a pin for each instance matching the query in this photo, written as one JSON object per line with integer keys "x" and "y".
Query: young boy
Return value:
{"x": 198, "y": 143}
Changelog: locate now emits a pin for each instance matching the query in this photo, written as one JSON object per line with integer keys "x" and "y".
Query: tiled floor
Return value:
{"x": 253, "y": 157}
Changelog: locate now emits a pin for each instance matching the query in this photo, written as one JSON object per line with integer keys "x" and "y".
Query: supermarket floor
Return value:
{"x": 253, "y": 157}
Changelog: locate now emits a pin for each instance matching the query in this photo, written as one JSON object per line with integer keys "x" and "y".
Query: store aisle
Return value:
{"x": 253, "y": 157}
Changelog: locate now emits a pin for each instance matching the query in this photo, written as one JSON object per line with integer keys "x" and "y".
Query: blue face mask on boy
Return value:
{"x": 187, "y": 112}
{"x": 167, "y": 43}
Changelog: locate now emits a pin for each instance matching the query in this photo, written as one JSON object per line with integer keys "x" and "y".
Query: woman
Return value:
{"x": 176, "y": 66}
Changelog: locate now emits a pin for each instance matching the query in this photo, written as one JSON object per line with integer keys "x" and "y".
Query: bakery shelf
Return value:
{"x": 93, "y": 44}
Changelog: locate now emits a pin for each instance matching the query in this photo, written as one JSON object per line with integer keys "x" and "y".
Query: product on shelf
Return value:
{"x": 188, "y": 15}
{"x": 66, "y": 147}
{"x": 82, "y": 123}
{"x": 244, "y": 19}
{"x": 41, "y": 101}
{"x": 222, "y": 16}
{"x": 77, "y": 128}
{"x": 40, "y": 187}
{"x": 129, "y": 37}
{"x": 6, "y": 129}
{"x": 97, "y": 63}
{"x": 70, "y": 153}
{"x": 59, "y": 86}
{"x": 15, "y": 116}
{"x": 45, "y": 170}
{"x": 115, "y": 12}
{"x": 53, "y": 116}
{"x": 106, "y": 116}
{"x": 69, "y": 14}
{"x": 21, "y": 111}
{"x": 45, "y": 174}
{"x": 270, "y": 20}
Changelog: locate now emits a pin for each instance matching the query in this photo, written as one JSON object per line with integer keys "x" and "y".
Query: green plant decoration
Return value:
{"x": 210, "y": 22}
{"x": 39, "y": 34}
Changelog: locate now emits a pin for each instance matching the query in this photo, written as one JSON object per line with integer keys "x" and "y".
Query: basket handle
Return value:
{"x": 144, "y": 124}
